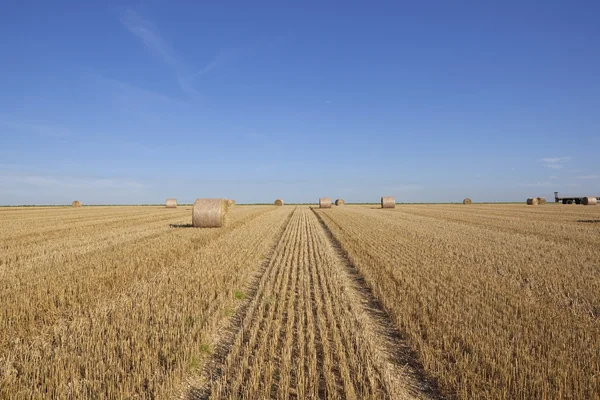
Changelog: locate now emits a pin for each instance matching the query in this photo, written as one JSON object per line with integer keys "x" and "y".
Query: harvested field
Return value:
{"x": 423, "y": 301}
{"x": 497, "y": 301}
{"x": 307, "y": 332}
{"x": 118, "y": 304}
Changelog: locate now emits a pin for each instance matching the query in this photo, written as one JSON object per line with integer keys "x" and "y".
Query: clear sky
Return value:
{"x": 116, "y": 102}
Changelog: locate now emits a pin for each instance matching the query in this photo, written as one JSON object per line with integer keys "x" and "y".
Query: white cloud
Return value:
{"x": 67, "y": 182}
{"x": 9, "y": 166}
{"x": 587, "y": 177}
{"x": 33, "y": 128}
{"x": 537, "y": 184}
{"x": 132, "y": 98}
{"x": 554, "y": 162}
{"x": 147, "y": 32}
{"x": 548, "y": 184}
{"x": 404, "y": 188}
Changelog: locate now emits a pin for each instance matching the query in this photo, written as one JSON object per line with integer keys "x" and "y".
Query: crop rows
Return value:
{"x": 420, "y": 301}
{"x": 306, "y": 333}
{"x": 493, "y": 308}
{"x": 130, "y": 317}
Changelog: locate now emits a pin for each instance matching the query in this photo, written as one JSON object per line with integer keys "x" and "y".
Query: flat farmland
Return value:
{"x": 420, "y": 301}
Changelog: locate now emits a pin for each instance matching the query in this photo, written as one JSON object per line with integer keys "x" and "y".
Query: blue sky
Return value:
{"x": 116, "y": 102}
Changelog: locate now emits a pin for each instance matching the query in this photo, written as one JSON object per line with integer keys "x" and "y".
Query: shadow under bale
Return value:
{"x": 181, "y": 226}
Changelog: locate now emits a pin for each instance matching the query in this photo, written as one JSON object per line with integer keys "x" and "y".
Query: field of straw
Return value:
{"x": 418, "y": 301}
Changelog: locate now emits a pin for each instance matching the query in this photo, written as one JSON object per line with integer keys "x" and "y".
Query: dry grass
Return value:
{"x": 510, "y": 312}
{"x": 495, "y": 301}
{"x": 231, "y": 203}
{"x": 209, "y": 213}
{"x": 171, "y": 203}
{"x": 307, "y": 332}
{"x": 388, "y": 202}
{"x": 112, "y": 303}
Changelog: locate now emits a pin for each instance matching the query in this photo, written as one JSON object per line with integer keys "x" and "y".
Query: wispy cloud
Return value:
{"x": 9, "y": 166}
{"x": 537, "y": 184}
{"x": 147, "y": 105}
{"x": 549, "y": 184}
{"x": 261, "y": 139}
{"x": 554, "y": 162}
{"x": 132, "y": 95}
{"x": 404, "y": 187}
{"x": 68, "y": 182}
{"x": 35, "y": 128}
{"x": 221, "y": 58}
{"x": 587, "y": 177}
{"x": 147, "y": 32}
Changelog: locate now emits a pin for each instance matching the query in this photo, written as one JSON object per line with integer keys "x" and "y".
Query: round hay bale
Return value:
{"x": 209, "y": 213}
{"x": 532, "y": 201}
{"x": 325, "y": 202}
{"x": 541, "y": 200}
{"x": 278, "y": 202}
{"x": 76, "y": 203}
{"x": 589, "y": 201}
{"x": 388, "y": 202}
{"x": 467, "y": 201}
{"x": 171, "y": 203}
{"x": 339, "y": 202}
{"x": 230, "y": 202}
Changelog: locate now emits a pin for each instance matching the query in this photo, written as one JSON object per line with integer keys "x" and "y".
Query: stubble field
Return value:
{"x": 421, "y": 301}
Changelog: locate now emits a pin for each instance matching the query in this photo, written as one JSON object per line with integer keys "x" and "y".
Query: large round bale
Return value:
{"x": 589, "y": 201}
{"x": 278, "y": 202}
{"x": 339, "y": 202}
{"x": 325, "y": 202}
{"x": 467, "y": 201}
{"x": 76, "y": 203}
{"x": 532, "y": 201}
{"x": 171, "y": 203}
{"x": 209, "y": 213}
{"x": 541, "y": 200}
{"x": 388, "y": 202}
{"x": 230, "y": 202}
